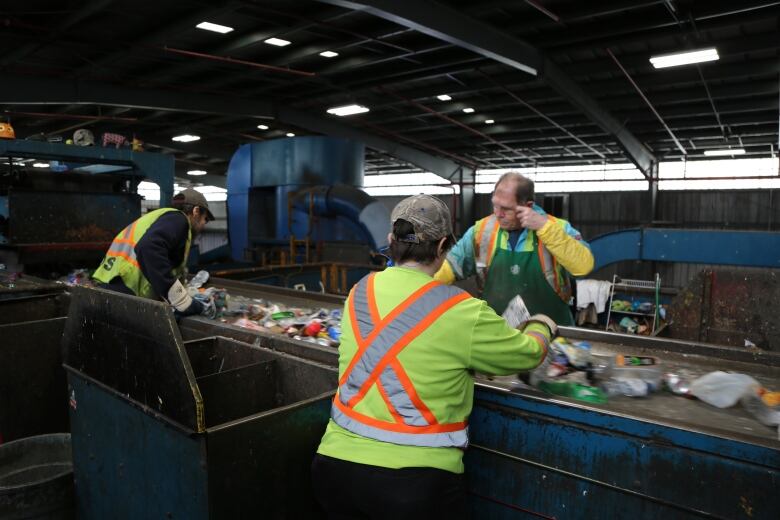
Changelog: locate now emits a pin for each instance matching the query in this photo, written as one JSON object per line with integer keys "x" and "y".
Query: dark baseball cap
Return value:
{"x": 194, "y": 198}
{"x": 429, "y": 216}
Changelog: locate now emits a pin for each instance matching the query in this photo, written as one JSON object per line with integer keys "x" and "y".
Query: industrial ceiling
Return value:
{"x": 550, "y": 82}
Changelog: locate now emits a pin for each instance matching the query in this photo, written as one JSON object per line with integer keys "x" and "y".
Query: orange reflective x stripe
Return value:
{"x": 391, "y": 355}
{"x": 363, "y": 343}
{"x": 492, "y": 247}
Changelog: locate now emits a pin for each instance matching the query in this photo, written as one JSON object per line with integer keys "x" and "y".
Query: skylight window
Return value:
{"x": 725, "y": 151}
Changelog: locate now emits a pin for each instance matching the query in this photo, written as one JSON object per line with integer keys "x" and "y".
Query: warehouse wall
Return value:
{"x": 594, "y": 214}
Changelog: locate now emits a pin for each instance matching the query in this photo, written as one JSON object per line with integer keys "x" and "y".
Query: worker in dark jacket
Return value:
{"x": 149, "y": 256}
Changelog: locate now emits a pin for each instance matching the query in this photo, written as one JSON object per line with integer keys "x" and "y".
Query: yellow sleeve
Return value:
{"x": 571, "y": 253}
{"x": 445, "y": 274}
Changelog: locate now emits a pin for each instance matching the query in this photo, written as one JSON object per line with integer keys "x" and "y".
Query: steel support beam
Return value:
{"x": 447, "y": 24}
{"x": 45, "y": 91}
{"x": 442, "y": 22}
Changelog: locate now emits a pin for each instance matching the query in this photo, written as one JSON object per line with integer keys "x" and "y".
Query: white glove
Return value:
{"x": 544, "y": 320}
{"x": 179, "y": 297}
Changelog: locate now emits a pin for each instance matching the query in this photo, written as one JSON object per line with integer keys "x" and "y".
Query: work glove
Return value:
{"x": 180, "y": 299}
{"x": 544, "y": 320}
{"x": 185, "y": 305}
{"x": 540, "y": 372}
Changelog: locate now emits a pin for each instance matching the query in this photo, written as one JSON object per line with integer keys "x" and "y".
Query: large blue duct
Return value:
{"x": 699, "y": 246}
{"x": 274, "y": 187}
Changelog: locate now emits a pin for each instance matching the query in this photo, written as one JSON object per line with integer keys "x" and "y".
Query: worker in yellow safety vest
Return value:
{"x": 520, "y": 250}
{"x": 148, "y": 258}
{"x": 393, "y": 447}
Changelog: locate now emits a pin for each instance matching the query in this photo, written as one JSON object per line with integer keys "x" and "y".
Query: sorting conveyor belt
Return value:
{"x": 663, "y": 455}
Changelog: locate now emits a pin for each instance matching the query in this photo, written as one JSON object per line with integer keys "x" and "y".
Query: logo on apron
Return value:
{"x": 515, "y": 269}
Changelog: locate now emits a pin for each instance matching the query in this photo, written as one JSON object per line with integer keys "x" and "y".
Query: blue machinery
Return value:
{"x": 302, "y": 187}
{"x": 745, "y": 248}
{"x": 70, "y": 216}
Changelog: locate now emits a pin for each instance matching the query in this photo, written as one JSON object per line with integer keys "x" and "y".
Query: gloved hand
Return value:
{"x": 195, "y": 307}
{"x": 544, "y": 320}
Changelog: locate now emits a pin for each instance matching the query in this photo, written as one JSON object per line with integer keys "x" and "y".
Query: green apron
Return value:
{"x": 511, "y": 273}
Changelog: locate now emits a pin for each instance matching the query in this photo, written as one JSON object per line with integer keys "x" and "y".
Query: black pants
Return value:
{"x": 347, "y": 490}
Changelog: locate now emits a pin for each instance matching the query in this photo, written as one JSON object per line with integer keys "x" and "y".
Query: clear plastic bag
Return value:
{"x": 722, "y": 389}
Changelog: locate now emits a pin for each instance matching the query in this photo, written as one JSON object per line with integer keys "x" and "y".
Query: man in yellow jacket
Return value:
{"x": 520, "y": 250}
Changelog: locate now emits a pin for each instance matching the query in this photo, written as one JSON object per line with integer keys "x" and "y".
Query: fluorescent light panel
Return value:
{"x": 444, "y": 97}
{"x": 684, "y": 58}
{"x": 262, "y": 127}
{"x": 347, "y": 110}
{"x": 489, "y": 121}
{"x": 214, "y": 27}
{"x": 468, "y": 110}
{"x": 728, "y": 151}
{"x": 185, "y": 138}
{"x": 329, "y": 54}
{"x": 290, "y": 134}
{"x": 40, "y": 165}
{"x": 277, "y": 42}
{"x": 197, "y": 172}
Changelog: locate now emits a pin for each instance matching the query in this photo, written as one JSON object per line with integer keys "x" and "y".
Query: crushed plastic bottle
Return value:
{"x": 199, "y": 279}
{"x": 628, "y": 386}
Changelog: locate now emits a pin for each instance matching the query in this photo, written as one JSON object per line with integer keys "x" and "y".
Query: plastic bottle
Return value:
{"x": 628, "y": 386}
{"x": 199, "y": 279}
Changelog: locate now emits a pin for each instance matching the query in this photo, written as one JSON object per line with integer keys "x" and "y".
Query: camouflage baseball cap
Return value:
{"x": 193, "y": 198}
{"x": 429, "y": 217}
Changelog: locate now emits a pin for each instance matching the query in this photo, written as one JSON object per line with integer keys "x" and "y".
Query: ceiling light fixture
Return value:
{"x": 40, "y": 165}
{"x": 290, "y": 134}
{"x": 489, "y": 121}
{"x": 468, "y": 110}
{"x": 443, "y": 97}
{"x": 262, "y": 127}
{"x": 684, "y": 58}
{"x": 329, "y": 54}
{"x": 185, "y": 138}
{"x": 726, "y": 151}
{"x": 277, "y": 42}
{"x": 347, "y": 110}
{"x": 197, "y": 172}
{"x": 214, "y": 27}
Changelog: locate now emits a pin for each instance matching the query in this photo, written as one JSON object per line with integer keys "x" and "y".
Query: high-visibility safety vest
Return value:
{"x": 486, "y": 234}
{"x": 379, "y": 342}
{"x": 120, "y": 260}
